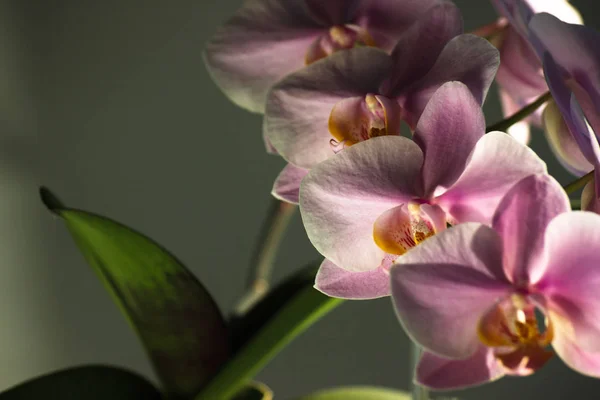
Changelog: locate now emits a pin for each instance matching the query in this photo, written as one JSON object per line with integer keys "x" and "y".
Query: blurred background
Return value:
{"x": 109, "y": 104}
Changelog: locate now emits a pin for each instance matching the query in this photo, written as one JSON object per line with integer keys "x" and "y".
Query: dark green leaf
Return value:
{"x": 173, "y": 314}
{"x": 254, "y": 391}
{"x": 243, "y": 327}
{"x": 293, "y": 316}
{"x": 89, "y": 383}
{"x": 358, "y": 393}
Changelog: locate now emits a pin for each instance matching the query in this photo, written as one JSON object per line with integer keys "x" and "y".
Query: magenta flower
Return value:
{"x": 364, "y": 92}
{"x": 571, "y": 64}
{"x": 267, "y": 39}
{"x": 504, "y": 293}
{"x": 520, "y": 75}
{"x": 368, "y": 205}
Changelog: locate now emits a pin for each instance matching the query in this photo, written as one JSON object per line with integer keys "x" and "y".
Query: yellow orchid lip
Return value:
{"x": 512, "y": 328}
{"x": 357, "y": 119}
{"x": 403, "y": 227}
{"x": 339, "y": 37}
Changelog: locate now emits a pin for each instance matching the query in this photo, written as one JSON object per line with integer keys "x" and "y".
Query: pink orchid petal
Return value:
{"x": 571, "y": 281}
{"x": 393, "y": 114}
{"x": 337, "y": 282}
{"x": 263, "y": 41}
{"x": 589, "y": 200}
{"x": 443, "y": 287}
{"x": 392, "y": 231}
{"x": 574, "y": 49}
{"x": 440, "y": 373}
{"x": 520, "y": 131}
{"x": 580, "y": 360}
{"x": 341, "y": 198}
{"x": 268, "y": 146}
{"x": 570, "y": 110}
{"x": 520, "y": 72}
{"x": 521, "y": 219}
{"x": 519, "y": 12}
{"x": 466, "y": 58}
{"x": 447, "y": 132}
{"x": 287, "y": 184}
{"x": 298, "y": 107}
{"x": 346, "y": 119}
{"x": 563, "y": 143}
{"x": 387, "y": 20}
{"x": 496, "y": 164}
{"x": 420, "y": 46}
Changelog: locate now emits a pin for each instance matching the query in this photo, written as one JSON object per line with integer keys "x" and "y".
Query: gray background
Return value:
{"x": 109, "y": 104}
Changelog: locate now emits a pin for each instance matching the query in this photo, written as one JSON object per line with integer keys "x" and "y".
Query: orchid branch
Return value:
{"x": 578, "y": 183}
{"x": 274, "y": 227}
{"x": 520, "y": 115}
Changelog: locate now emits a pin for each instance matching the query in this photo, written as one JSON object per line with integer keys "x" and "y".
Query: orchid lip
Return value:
{"x": 519, "y": 333}
{"x": 403, "y": 227}
{"x": 338, "y": 37}
{"x": 357, "y": 119}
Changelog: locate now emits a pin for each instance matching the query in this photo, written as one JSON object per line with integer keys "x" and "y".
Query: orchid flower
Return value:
{"x": 362, "y": 93}
{"x": 504, "y": 293}
{"x": 371, "y": 203}
{"x": 266, "y": 40}
{"x": 571, "y": 55}
{"x": 520, "y": 75}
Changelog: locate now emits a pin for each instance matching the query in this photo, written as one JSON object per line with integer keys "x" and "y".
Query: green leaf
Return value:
{"x": 175, "y": 317}
{"x": 89, "y": 382}
{"x": 291, "y": 316}
{"x": 254, "y": 391}
{"x": 358, "y": 393}
{"x": 243, "y": 328}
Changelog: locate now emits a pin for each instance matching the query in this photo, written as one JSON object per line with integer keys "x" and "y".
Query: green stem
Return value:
{"x": 418, "y": 392}
{"x": 294, "y": 318}
{"x": 575, "y": 204}
{"x": 263, "y": 259}
{"x": 579, "y": 183}
{"x": 520, "y": 115}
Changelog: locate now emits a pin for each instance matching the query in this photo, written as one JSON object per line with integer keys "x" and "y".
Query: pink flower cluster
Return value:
{"x": 486, "y": 263}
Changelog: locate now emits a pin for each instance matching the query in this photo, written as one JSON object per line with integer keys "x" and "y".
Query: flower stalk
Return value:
{"x": 265, "y": 253}
{"x": 520, "y": 115}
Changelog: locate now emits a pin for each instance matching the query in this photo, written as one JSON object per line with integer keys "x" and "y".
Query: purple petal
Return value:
{"x": 571, "y": 112}
{"x": 584, "y": 362}
{"x": 263, "y": 41}
{"x": 387, "y": 20}
{"x": 563, "y": 143}
{"x": 337, "y": 282}
{"x": 573, "y": 47}
{"x": 497, "y": 163}
{"x": 522, "y": 229}
{"x": 442, "y": 288}
{"x": 298, "y": 107}
{"x": 520, "y": 72}
{"x": 440, "y": 373}
{"x": 571, "y": 280}
{"x": 341, "y": 198}
{"x": 466, "y": 58}
{"x": 420, "y": 46}
{"x": 287, "y": 184}
{"x": 519, "y": 12}
{"x": 447, "y": 132}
